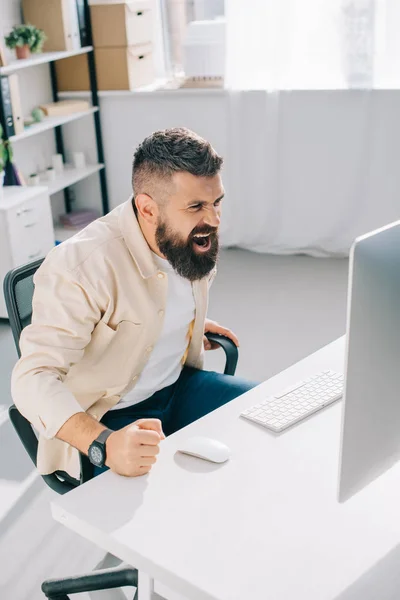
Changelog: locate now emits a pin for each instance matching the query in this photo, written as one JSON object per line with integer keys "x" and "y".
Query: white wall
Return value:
{"x": 10, "y": 14}
{"x": 127, "y": 120}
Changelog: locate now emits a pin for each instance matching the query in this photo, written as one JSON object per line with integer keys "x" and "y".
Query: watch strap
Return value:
{"x": 101, "y": 439}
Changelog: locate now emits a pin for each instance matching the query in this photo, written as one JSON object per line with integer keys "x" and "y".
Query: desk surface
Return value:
{"x": 266, "y": 524}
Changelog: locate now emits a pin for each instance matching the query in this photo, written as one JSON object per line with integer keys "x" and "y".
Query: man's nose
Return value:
{"x": 213, "y": 217}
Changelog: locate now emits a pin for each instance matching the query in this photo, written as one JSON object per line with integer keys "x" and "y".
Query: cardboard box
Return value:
{"x": 55, "y": 18}
{"x": 116, "y": 68}
{"x": 73, "y": 74}
{"x": 64, "y": 107}
{"x": 124, "y": 23}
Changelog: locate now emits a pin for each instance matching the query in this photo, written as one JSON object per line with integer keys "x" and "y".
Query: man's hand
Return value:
{"x": 133, "y": 450}
{"x": 214, "y": 327}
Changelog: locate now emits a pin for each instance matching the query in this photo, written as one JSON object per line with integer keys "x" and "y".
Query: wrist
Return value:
{"x": 97, "y": 451}
{"x": 110, "y": 449}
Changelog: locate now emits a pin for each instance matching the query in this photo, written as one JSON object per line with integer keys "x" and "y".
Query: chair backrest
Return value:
{"x": 18, "y": 294}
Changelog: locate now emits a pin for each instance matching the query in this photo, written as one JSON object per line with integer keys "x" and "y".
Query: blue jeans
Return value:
{"x": 195, "y": 394}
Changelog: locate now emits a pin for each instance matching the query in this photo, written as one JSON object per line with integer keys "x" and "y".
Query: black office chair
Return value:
{"x": 18, "y": 293}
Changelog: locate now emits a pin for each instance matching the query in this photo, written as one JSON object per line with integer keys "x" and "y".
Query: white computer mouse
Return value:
{"x": 206, "y": 448}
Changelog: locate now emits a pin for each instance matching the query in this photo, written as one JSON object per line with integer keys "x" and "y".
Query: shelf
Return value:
{"x": 40, "y": 59}
{"x": 63, "y": 233}
{"x": 70, "y": 176}
{"x": 158, "y": 87}
{"x": 51, "y": 123}
{"x": 13, "y": 195}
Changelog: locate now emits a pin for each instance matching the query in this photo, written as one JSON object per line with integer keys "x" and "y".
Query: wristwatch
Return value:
{"x": 97, "y": 449}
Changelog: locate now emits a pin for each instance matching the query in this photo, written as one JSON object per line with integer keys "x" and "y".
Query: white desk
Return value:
{"x": 264, "y": 526}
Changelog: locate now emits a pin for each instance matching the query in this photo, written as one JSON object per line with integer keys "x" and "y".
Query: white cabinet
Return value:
{"x": 26, "y": 229}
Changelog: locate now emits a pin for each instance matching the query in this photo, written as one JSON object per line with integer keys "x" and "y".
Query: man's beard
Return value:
{"x": 182, "y": 256}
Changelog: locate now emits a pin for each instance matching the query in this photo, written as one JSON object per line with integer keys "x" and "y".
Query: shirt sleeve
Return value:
{"x": 65, "y": 312}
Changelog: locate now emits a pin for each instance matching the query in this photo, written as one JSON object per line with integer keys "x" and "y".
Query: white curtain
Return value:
{"x": 312, "y": 44}
{"x": 313, "y": 138}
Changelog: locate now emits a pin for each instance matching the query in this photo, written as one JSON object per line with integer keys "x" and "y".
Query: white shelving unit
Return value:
{"x": 40, "y": 59}
{"x": 26, "y": 228}
{"x": 70, "y": 176}
{"x": 51, "y": 123}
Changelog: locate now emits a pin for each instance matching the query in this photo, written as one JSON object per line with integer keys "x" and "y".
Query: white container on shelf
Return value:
{"x": 79, "y": 160}
{"x": 208, "y": 9}
{"x": 51, "y": 174}
{"x": 204, "y": 49}
{"x": 58, "y": 163}
{"x": 34, "y": 179}
{"x": 26, "y": 229}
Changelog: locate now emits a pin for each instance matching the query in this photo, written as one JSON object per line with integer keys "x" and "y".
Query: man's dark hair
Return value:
{"x": 166, "y": 152}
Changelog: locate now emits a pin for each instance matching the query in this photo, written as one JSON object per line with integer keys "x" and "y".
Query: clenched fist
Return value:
{"x": 133, "y": 450}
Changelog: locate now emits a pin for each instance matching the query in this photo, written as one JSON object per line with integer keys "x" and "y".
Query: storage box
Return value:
{"x": 64, "y": 107}
{"x": 58, "y": 19}
{"x": 73, "y": 74}
{"x": 116, "y": 68}
{"x": 128, "y": 23}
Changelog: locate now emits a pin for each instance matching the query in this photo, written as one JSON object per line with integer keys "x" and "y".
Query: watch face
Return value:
{"x": 96, "y": 455}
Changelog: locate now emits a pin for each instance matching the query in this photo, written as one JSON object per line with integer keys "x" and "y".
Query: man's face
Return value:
{"x": 187, "y": 228}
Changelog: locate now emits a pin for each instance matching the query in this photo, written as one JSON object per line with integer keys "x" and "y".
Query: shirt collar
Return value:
{"x": 162, "y": 263}
{"x": 136, "y": 242}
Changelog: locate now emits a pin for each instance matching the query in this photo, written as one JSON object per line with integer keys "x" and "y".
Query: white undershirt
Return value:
{"x": 165, "y": 363}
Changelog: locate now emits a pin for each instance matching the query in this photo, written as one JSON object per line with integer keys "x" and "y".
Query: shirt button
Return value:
{"x": 149, "y": 349}
{"x": 134, "y": 379}
{"x": 161, "y": 313}
{"x": 160, "y": 275}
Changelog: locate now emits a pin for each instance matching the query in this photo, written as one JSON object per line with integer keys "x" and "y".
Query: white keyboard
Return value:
{"x": 297, "y": 402}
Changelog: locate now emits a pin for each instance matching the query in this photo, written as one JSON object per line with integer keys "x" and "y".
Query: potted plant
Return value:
{"x": 25, "y": 39}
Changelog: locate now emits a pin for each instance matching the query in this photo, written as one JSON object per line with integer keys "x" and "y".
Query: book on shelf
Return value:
{"x": 5, "y": 107}
{"x": 78, "y": 219}
{"x": 10, "y": 105}
{"x": 3, "y": 60}
{"x": 16, "y": 107}
{"x": 64, "y": 107}
{"x": 82, "y": 21}
{"x": 74, "y": 24}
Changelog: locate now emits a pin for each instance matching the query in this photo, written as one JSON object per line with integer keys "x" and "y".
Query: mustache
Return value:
{"x": 203, "y": 229}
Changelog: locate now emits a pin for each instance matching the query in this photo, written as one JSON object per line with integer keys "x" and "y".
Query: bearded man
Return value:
{"x": 112, "y": 361}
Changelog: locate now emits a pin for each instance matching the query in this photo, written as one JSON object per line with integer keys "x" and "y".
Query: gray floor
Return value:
{"x": 282, "y": 308}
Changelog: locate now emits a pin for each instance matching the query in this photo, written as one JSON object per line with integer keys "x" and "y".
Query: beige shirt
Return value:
{"x": 98, "y": 311}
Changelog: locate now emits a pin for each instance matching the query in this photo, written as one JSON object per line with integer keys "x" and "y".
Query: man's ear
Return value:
{"x": 147, "y": 208}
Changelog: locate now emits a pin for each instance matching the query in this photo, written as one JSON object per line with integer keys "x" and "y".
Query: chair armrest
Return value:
{"x": 104, "y": 579}
{"x": 230, "y": 349}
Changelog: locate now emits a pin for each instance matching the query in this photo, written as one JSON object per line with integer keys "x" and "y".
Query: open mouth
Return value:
{"x": 202, "y": 242}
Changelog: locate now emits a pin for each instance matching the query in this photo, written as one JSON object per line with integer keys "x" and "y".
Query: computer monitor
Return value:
{"x": 370, "y": 441}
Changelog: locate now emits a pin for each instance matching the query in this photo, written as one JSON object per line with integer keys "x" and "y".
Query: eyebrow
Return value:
{"x": 193, "y": 202}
